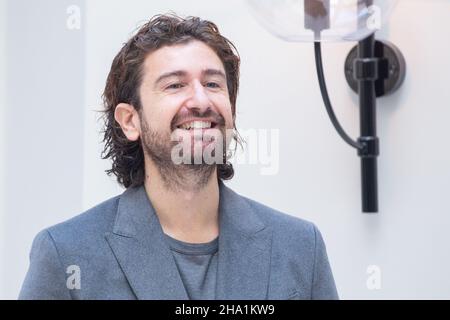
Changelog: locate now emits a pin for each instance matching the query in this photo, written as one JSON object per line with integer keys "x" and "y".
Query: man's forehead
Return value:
{"x": 192, "y": 57}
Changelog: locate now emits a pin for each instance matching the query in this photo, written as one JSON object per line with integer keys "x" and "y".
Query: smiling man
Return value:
{"x": 177, "y": 232}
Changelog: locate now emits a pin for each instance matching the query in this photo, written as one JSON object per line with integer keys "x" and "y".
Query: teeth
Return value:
{"x": 196, "y": 125}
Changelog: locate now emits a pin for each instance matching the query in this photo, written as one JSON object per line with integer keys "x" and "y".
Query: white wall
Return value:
{"x": 319, "y": 176}
{"x": 2, "y": 142}
{"x": 43, "y": 120}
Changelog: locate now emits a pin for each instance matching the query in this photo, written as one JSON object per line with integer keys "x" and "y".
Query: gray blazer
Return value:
{"x": 117, "y": 250}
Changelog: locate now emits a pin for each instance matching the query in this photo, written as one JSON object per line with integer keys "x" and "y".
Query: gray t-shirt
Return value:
{"x": 197, "y": 265}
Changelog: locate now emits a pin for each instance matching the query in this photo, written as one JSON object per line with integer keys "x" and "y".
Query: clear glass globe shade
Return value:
{"x": 322, "y": 20}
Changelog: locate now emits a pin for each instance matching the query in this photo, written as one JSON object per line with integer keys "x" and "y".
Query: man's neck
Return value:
{"x": 188, "y": 214}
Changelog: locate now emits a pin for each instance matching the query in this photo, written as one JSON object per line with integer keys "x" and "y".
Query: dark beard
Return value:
{"x": 175, "y": 176}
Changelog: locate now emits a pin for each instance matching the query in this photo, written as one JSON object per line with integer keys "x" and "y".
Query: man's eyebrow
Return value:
{"x": 214, "y": 72}
{"x": 177, "y": 73}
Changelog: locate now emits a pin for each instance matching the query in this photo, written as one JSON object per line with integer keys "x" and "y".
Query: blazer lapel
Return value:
{"x": 138, "y": 244}
{"x": 244, "y": 250}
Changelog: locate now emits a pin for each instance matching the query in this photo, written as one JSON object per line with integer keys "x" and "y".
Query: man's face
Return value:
{"x": 184, "y": 97}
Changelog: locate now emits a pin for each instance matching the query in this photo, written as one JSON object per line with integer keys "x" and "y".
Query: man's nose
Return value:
{"x": 199, "y": 98}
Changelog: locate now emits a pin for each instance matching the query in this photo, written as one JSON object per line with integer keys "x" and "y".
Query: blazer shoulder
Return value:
{"x": 282, "y": 222}
{"x": 79, "y": 239}
{"x": 91, "y": 224}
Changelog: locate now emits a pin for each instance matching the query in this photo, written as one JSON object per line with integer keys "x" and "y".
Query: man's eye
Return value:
{"x": 212, "y": 85}
{"x": 175, "y": 86}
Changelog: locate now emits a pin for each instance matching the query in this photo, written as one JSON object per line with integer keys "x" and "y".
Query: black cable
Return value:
{"x": 326, "y": 99}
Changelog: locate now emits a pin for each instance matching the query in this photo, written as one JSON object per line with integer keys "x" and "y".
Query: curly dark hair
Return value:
{"x": 124, "y": 80}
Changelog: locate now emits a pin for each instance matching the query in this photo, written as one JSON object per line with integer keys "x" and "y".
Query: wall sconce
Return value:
{"x": 373, "y": 68}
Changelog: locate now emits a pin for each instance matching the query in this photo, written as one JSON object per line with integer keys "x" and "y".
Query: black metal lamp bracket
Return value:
{"x": 373, "y": 69}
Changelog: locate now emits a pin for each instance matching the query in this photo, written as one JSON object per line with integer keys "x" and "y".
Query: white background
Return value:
{"x": 51, "y": 170}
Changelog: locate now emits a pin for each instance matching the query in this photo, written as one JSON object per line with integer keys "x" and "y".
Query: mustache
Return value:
{"x": 209, "y": 113}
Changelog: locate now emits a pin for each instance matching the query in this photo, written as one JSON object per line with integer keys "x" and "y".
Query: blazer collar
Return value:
{"x": 138, "y": 243}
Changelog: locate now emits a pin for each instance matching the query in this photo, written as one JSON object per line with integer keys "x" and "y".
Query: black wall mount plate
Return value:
{"x": 391, "y": 68}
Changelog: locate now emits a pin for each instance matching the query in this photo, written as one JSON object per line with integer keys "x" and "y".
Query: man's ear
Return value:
{"x": 128, "y": 118}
